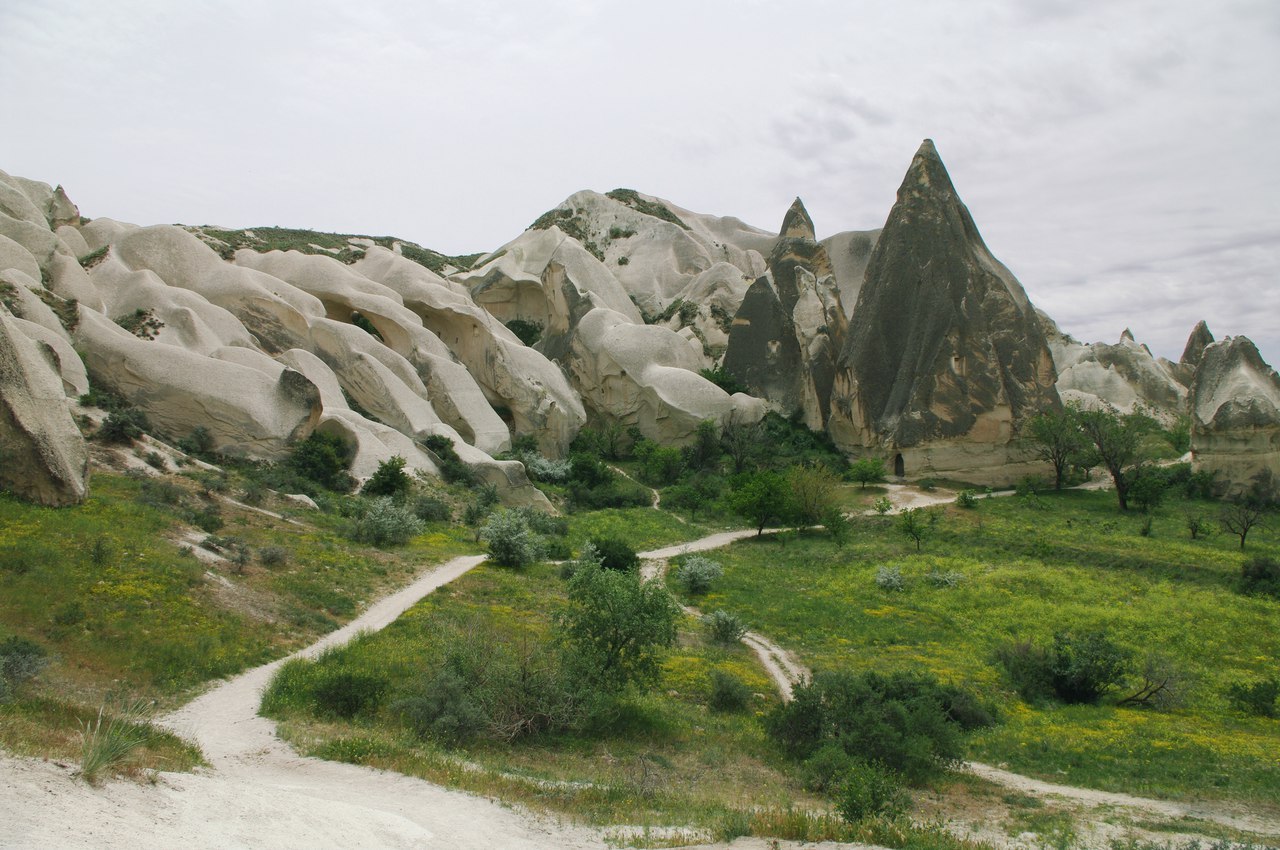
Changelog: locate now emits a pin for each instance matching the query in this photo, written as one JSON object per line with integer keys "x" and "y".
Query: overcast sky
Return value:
{"x": 1118, "y": 156}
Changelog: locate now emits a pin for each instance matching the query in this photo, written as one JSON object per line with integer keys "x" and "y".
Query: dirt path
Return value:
{"x": 259, "y": 793}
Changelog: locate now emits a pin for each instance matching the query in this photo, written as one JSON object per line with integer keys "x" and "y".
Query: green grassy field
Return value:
{"x": 127, "y": 613}
{"x": 666, "y": 758}
{"x": 1072, "y": 564}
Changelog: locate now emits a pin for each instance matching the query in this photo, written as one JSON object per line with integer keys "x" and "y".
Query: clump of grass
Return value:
{"x": 108, "y": 741}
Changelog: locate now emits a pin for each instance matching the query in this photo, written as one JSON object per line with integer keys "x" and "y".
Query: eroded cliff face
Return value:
{"x": 945, "y": 357}
{"x": 1235, "y": 418}
{"x": 791, "y": 326}
{"x": 1125, "y": 376}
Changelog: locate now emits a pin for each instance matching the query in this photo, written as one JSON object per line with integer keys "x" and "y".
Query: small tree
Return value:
{"x": 743, "y": 444}
{"x": 388, "y": 480}
{"x": 917, "y": 524}
{"x": 324, "y": 459}
{"x": 760, "y": 498}
{"x": 615, "y": 554}
{"x": 1241, "y": 516}
{"x": 511, "y": 542}
{"x": 867, "y": 470}
{"x": 812, "y": 489}
{"x": 698, "y": 574}
{"x": 615, "y": 627}
{"x": 1117, "y": 440}
{"x": 1058, "y": 440}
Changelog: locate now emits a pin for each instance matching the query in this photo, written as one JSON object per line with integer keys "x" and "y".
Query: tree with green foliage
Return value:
{"x": 760, "y": 498}
{"x": 510, "y": 540}
{"x": 1117, "y": 440}
{"x": 812, "y": 492}
{"x": 616, "y": 627}
{"x": 867, "y": 470}
{"x": 743, "y": 443}
{"x": 615, "y": 554}
{"x": 388, "y": 480}
{"x": 1058, "y": 440}
{"x": 704, "y": 452}
{"x": 917, "y": 524}
{"x": 324, "y": 459}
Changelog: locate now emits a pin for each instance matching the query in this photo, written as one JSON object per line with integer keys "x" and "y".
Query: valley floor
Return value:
{"x": 260, "y": 794}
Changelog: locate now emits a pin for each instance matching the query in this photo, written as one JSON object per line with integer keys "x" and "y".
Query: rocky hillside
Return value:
{"x": 911, "y": 341}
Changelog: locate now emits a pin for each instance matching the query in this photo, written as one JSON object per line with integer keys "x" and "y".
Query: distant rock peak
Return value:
{"x": 797, "y": 224}
{"x": 1201, "y": 338}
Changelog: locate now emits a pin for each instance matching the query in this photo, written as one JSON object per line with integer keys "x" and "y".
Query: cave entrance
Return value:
{"x": 899, "y": 466}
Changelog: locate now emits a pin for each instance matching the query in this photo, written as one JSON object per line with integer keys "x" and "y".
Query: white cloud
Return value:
{"x": 1116, "y": 155}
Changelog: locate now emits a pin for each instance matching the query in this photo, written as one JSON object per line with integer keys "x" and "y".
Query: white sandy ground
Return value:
{"x": 258, "y": 793}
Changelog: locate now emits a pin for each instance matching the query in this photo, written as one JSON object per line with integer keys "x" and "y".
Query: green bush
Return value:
{"x": 123, "y": 426}
{"x": 323, "y": 460}
{"x": 615, "y": 554}
{"x": 728, "y": 692}
{"x": 273, "y": 556}
{"x": 452, "y": 467}
{"x": 382, "y": 522}
{"x": 431, "y": 509}
{"x": 345, "y": 693}
{"x": 527, "y": 332}
{"x": 510, "y": 540}
{"x": 724, "y": 627}
{"x": 900, "y": 720}
{"x": 1256, "y": 698}
{"x": 20, "y": 661}
{"x": 388, "y": 480}
{"x": 1086, "y": 666}
{"x": 825, "y": 770}
{"x": 967, "y": 499}
{"x": 1260, "y": 576}
{"x": 891, "y": 579}
{"x": 697, "y": 574}
{"x": 198, "y": 443}
{"x": 869, "y": 790}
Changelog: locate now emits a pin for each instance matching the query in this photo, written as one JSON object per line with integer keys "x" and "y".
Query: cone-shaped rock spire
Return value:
{"x": 943, "y": 344}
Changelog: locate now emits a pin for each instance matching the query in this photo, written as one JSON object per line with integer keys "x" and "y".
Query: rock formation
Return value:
{"x": 1125, "y": 376}
{"x": 791, "y": 325}
{"x": 43, "y": 457}
{"x": 1235, "y": 418}
{"x": 945, "y": 356}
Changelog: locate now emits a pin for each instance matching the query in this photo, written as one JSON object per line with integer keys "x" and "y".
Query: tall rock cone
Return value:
{"x": 788, "y": 332}
{"x": 945, "y": 358}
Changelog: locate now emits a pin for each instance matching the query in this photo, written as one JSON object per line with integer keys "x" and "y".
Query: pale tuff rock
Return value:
{"x": 270, "y": 309}
{"x": 246, "y": 412}
{"x": 944, "y": 349}
{"x": 14, "y": 256}
{"x": 1200, "y": 339}
{"x": 522, "y": 380}
{"x": 19, "y": 293}
{"x": 644, "y": 375}
{"x": 1235, "y": 417}
{"x": 51, "y": 206}
{"x": 791, "y": 326}
{"x": 71, "y": 282}
{"x": 74, "y": 240}
{"x": 39, "y": 241}
{"x": 57, "y": 351}
{"x": 1124, "y": 376}
{"x": 43, "y": 457}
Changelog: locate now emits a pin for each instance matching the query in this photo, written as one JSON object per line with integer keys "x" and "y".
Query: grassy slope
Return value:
{"x": 126, "y": 614}
{"x": 667, "y": 759}
{"x": 1027, "y": 572}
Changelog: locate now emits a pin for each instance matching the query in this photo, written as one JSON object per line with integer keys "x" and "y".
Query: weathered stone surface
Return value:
{"x": 1125, "y": 375}
{"x": 14, "y": 256}
{"x": 275, "y": 312}
{"x": 18, "y": 292}
{"x": 43, "y": 456}
{"x": 58, "y": 352}
{"x": 36, "y": 238}
{"x": 52, "y": 205}
{"x": 246, "y": 412}
{"x": 791, "y": 326}
{"x": 72, "y": 238}
{"x": 944, "y": 349}
{"x": 1235, "y": 417}
{"x": 513, "y": 376}
{"x": 644, "y": 375}
{"x": 850, "y": 252}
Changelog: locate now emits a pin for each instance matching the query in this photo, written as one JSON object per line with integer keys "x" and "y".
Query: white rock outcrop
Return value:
{"x": 1235, "y": 418}
{"x": 43, "y": 457}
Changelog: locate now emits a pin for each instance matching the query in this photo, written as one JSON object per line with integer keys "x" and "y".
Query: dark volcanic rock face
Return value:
{"x": 787, "y": 334}
{"x": 943, "y": 344}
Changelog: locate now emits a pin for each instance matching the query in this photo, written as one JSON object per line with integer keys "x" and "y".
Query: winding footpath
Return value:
{"x": 259, "y": 793}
